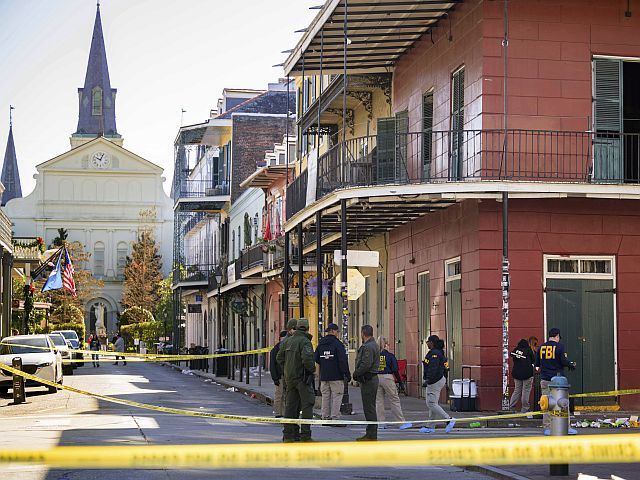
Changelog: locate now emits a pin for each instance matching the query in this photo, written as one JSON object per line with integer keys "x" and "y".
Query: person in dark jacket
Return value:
{"x": 331, "y": 355}
{"x": 435, "y": 368}
{"x": 94, "y": 345}
{"x": 295, "y": 358}
{"x": 551, "y": 360}
{"x": 523, "y": 363}
{"x": 366, "y": 374}
{"x": 388, "y": 374}
{"x": 276, "y": 375}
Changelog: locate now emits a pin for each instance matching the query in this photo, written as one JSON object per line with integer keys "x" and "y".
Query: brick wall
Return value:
{"x": 563, "y": 227}
{"x": 253, "y": 135}
{"x": 550, "y": 49}
{"x": 431, "y": 240}
{"x": 473, "y": 230}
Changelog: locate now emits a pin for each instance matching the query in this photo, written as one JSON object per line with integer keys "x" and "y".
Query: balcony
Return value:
{"x": 471, "y": 156}
{"x": 26, "y": 249}
{"x": 201, "y": 194}
{"x": 193, "y": 273}
{"x": 252, "y": 257}
{"x": 273, "y": 258}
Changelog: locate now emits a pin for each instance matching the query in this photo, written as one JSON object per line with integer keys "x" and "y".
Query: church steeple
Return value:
{"x": 10, "y": 175}
{"x": 97, "y": 100}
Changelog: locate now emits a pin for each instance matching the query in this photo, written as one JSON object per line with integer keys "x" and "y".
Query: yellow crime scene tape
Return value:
{"x": 251, "y": 418}
{"x": 151, "y": 356}
{"x": 414, "y": 453}
{"x": 611, "y": 393}
{"x": 271, "y": 420}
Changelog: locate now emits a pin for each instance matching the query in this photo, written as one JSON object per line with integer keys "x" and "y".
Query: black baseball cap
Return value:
{"x": 554, "y": 332}
{"x": 332, "y": 327}
{"x": 283, "y": 333}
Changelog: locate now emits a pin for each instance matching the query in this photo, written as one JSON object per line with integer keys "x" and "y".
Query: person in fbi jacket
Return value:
{"x": 551, "y": 360}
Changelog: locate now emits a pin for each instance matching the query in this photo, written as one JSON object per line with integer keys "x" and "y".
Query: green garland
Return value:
{"x": 37, "y": 243}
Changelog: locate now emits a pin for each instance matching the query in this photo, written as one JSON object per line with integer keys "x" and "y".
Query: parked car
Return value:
{"x": 39, "y": 357}
{"x": 72, "y": 337}
{"x": 62, "y": 346}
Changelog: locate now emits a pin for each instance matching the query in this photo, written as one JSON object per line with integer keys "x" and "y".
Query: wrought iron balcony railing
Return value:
{"x": 471, "y": 155}
{"x": 252, "y": 257}
{"x": 193, "y": 273}
{"x": 200, "y": 189}
{"x": 273, "y": 257}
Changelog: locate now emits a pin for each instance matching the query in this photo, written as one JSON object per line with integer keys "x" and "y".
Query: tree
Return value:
{"x": 142, "y": 273}
{"x": 247, "y": 230}
{"x": 164, "y": 308}
{"x": 135, "y": 315}
{"x": 67, "y": 314}
{"x": 61, "y": 238}
{"x": 87, "y": 285}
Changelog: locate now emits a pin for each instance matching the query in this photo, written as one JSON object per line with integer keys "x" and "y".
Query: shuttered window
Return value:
{"x": 427, "y": 134}
{"x": 386, "y": 149}
{"x": 402, "y": 130}
{"x": 608, "y": 150}
{"x": 607, "y": 89}
{"x": 457, "y": 124}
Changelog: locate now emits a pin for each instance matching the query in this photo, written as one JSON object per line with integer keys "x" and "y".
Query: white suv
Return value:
{"x": 39, "y": 358}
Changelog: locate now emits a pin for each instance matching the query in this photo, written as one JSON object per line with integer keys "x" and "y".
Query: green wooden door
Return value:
{"x": 454, "y": 329}
{"x": 583, "y": 311}
{"x": 399, "y": 325}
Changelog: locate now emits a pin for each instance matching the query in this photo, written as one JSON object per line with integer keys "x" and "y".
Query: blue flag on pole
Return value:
{"x": 54, "y": 282}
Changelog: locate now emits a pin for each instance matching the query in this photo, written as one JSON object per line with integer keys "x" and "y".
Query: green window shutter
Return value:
{"x": 457, "y": 125}
{"x": 457, "y": 104}
{"x": 607, "y": 88}
{"x": 401, "y": 161}
{"x": 386, "y": 149}
{"x": 427, "y": 134}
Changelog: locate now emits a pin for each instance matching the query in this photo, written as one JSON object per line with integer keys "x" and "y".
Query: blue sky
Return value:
{"x": 164, "y": 56}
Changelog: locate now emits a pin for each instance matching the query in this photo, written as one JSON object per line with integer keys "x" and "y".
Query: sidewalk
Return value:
{"x": 413, "y": 408}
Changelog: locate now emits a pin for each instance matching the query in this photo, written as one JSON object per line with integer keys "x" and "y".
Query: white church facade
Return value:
{"x": 96, "y": 192}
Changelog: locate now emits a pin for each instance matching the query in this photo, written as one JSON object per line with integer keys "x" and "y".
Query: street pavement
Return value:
{"x": 70, "y": 419}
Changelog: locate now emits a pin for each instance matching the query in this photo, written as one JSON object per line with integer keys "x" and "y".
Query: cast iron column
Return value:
{"x": 285, "y": 279}
{"x": 300, "y": 272}
{"x": 319, "y": 271}
{"x": 346, "y": 407}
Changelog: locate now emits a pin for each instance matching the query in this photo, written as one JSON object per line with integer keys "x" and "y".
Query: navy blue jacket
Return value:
{"x": 523, "y": 360}
{"x": 435, "y": 364}
{"x": 551, "y": 358}
{"x": 331, "y": 355}
{"x": 388, "y": 363}
{"x": 274, "y": 368}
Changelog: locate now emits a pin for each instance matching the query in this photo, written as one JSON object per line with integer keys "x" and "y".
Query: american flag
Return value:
{"x": 67, "y": 276}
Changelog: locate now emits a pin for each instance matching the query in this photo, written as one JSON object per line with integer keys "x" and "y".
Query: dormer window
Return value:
{"x": 96, "y": 101}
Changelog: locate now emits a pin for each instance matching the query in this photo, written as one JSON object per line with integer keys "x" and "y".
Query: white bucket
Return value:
{"x": 462, "y": 388}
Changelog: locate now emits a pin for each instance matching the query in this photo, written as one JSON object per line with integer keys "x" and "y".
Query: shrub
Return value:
{"x": 134, "y": 315}
{"x": 148, "y": 332}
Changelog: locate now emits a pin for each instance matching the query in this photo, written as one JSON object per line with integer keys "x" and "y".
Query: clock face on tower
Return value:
{"x": 101, "y": 160}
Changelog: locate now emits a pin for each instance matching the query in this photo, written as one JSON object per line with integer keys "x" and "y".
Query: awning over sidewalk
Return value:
{"x": 378, "y": 32}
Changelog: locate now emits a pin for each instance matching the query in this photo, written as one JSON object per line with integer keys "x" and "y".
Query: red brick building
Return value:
{"x": 552, "y": 117}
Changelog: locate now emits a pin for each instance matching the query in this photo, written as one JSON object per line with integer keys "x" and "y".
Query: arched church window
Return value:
{"x": 96, "y": 101}
{"x": 121, "y": 252}
{"x": 98, "y": 259}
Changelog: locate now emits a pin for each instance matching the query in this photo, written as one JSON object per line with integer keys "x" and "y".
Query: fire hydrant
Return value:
{"x": 556, "y": 404}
